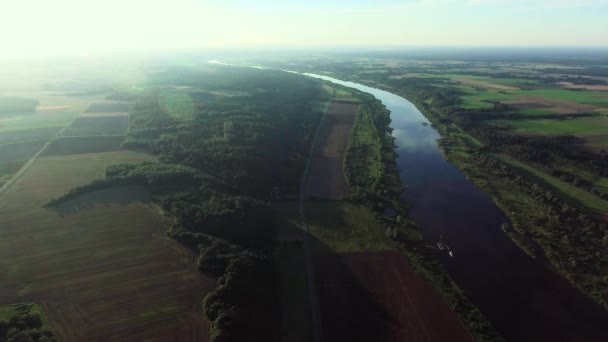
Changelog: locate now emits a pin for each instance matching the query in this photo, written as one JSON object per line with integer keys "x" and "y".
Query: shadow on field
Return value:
{"x": 348, "y": 311}
{"x": 114, "y": 195}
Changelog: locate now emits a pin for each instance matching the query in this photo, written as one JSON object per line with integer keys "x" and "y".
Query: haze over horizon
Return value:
{"x": 34, "y": 27}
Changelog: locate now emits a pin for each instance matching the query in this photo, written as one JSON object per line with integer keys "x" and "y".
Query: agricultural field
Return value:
{"x": 112, "y": 279}
{"x": 98, "y": 125}
{"x": 505, "y": 104}
{"x": 84, "y": 144}
{"x": 366, "y": 288}
{"x": 326, "y": 176}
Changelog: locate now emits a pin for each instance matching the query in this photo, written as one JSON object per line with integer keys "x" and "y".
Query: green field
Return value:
{"x": 178, "y": 105}
{"x": 36, "y": 120}
{"x": 572, "y": 194}
{"x": 587, "y": 126}
{"x": 29, "y": 134}
{"x": 346, "y": 227}
{"x": 337, "y": 93}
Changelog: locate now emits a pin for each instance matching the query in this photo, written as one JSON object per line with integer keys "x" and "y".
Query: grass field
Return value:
{"x": 29, "y": 134}
{"x": 104, "y": 272}
{"x": 568, "y": 191}
{"x": 337, "y": 93}
{"x": 346, "y": 227}
{"x": 177, "y": 105}
{"x": 36, "y": 120}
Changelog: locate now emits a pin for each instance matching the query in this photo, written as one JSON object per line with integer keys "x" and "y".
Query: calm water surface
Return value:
{"x": 524, "y": 299}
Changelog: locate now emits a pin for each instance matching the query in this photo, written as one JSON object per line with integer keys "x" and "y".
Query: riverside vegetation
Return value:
{"x": 531, "y": 136}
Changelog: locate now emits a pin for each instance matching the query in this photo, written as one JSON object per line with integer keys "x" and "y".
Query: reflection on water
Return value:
{"x": 524, "y": 299}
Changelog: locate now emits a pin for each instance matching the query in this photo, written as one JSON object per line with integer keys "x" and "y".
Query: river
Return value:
{"x": 523, "y": 298}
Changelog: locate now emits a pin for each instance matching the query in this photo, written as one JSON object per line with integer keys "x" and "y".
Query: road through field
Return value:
{"x": 29, "y": 162}
{"x": 310, "y": 278}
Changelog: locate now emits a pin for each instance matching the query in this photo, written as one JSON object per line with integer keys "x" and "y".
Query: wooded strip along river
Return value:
{"x": 524, "y": 299}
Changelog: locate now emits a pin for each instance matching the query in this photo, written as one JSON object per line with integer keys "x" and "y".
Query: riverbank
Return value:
{"x": 523, "y": 298}
{"x": 372, "y": 172}
{"x": 535, "y": 227}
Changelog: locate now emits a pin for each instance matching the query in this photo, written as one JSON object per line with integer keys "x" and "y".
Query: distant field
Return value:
{"x": 79, "y": 145}
{"x": 11, "y": 104}
{"x": 100, "y": 125}
{"x": 29, "y": 134}
{"x": 587, "y": 126}
{"x": 108, "y": 107}
{"x": 36, "y": 120}
{"x": 326, "y": 175}
{"x": 104, "y": 272}
{"x": 19, "y": 151}
{"x": 178, "y": 105}
{"x": 568, "y": 191}
{"x": 14, "y": 156}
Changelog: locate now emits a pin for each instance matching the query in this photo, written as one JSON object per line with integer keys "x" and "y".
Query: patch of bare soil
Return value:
{"x": 51, "y": 108}
{"x": 326, "y": 175}
{"x": 376, "y": 296}
{"x": 570, "y": 85}
{"x": 557, "y": 106}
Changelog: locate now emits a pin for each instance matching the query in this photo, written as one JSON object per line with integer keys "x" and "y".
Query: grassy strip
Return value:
{"x": 576, "y": 196}
{"x": 378, "y": 186}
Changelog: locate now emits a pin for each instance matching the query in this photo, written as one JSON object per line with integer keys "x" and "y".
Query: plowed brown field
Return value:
{"x": 376, "y": 296}
{"x": 326, "y": 175}
{"x": 103, "y": 273}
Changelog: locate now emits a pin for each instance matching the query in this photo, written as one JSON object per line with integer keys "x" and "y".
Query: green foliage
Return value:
{"x": 370, "y": 160}
{"x": 24, "y": 323}
{"x": 254, "y": 142}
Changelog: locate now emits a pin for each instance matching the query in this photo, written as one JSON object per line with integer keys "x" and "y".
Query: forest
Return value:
{"x": 235, "y": 140}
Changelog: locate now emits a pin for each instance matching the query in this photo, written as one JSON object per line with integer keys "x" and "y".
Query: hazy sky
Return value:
{"x": 81, "y": 26}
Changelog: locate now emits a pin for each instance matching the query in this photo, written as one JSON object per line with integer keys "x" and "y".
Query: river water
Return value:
{"x": 525, "y": 300}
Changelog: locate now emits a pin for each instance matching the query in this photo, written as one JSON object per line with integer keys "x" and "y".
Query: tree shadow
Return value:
{"x": 120, "y": 195}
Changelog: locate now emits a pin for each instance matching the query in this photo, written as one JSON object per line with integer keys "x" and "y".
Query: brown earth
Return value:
{"x": 103, "y": 273}
{"x": 484, "y": 84}
{"x": 562, "y": 107}
{"x": 326, "y": 174}
{"x": 95, "y": 115}
{"x": 570, "y": 85}
{"x": 376, "y": 296}
{"x": 51, "y": 108}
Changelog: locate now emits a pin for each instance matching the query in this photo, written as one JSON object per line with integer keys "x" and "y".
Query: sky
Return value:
{"x": 29, "y": 27}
